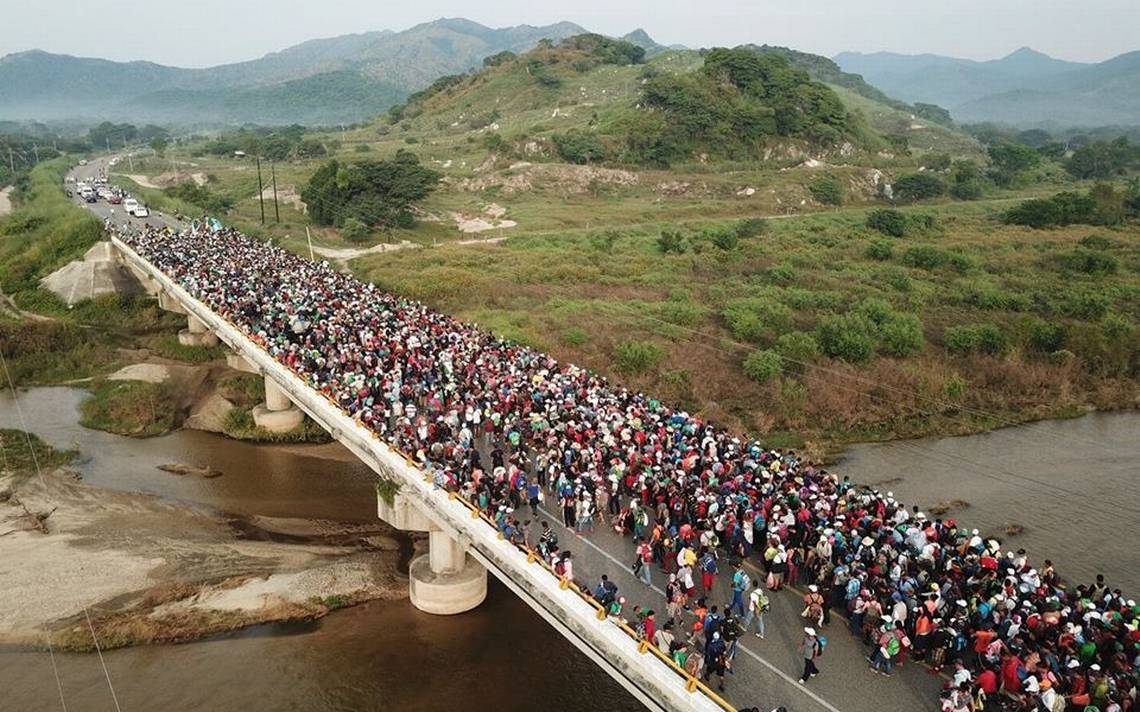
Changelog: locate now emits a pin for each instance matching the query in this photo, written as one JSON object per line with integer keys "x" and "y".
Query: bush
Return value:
{"x": 752, "y": 319}
{"x": 887, "y": 221}
{"x": 354, "y": 230}
{"x": 1089, "y": 262}
{"x": 975, "y": 338}
{"x": 1046, "y": 336}
{"x": 880, "y": 250}
{"x": 925, "y": 257}
{"x": 797, "y": 347}
{"x": 671, "y": 241}
{"x": 913, "y": 187}
{"x": 723, "y": 237}
{"x": 634, "y": 357}
{"x": 1095, "y": 242}
{"x": 362, "y": 148}
{"x": 1066, "y": 208}
{"x": 848, "y": 337}
{"x": 827, "y": 190}
{"x": 967, "y": 189}
{"x": 762, "y": 366}
{"x": 581, "y": 147}
{"x": 901, "y": 335}
{"x": 751, "y": 227}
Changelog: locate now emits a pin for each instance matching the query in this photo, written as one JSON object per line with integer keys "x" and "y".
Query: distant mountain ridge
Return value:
{"x": 1025, "y": 88}
{"x": 377, "y": 69}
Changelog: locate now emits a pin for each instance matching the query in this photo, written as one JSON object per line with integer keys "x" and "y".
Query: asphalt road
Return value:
{"x": 104, "y": 210}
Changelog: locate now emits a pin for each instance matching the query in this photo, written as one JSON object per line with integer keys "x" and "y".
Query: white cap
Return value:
{"x": 810, "y": 631}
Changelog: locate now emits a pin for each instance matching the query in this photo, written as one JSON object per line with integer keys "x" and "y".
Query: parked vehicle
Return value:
{"x": 129, "y": 205}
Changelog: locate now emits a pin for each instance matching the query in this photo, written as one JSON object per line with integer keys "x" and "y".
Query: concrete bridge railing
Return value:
{"x": 464, "y": 542}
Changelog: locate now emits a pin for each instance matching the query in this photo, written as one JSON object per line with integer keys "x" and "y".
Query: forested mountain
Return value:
{"x": 373, "y": 70}
{"x": 1024, "y": 88}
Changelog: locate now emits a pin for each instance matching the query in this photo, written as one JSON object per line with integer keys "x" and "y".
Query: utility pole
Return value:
{"x": 309, "y": 237}
{"x": 11, "y": 163}
{"x": 260, "y": 189}
{"x": 36, "y": 151}
{"x": 276, "y": 210}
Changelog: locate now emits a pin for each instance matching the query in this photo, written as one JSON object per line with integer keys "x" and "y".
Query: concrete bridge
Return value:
{"x": 464, "y": 544}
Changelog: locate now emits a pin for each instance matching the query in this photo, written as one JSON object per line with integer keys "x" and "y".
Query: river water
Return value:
{"x": 383, "y": 656}
{"x": 1071, "y": 484}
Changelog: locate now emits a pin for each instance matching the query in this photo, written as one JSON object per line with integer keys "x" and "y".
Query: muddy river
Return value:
{"x": 1071, "y": 487}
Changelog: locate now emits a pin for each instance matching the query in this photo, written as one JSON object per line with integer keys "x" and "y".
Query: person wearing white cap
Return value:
{"x": 810, "y": 649}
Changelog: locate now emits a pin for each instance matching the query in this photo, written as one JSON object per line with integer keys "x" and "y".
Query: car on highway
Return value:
{"x": 115, "y": 199}
{"x": 89, "y": 197}
{"x": 141, "y": 212}
{"x": 129, "y": 205}
{"x": 83, "y": 162}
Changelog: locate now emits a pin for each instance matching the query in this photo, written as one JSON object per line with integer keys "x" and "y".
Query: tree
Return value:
{"x": 913, "y": 187}
{"x": 499, "y": 58}
{"x": 354, "y": 230}
{"x": 158, "y": 144}
{"x": 1101, "y": 160}
{"x": 377, "y": 193}
{"x": 966, "y": 181}
{"x": 1009, "y": 159}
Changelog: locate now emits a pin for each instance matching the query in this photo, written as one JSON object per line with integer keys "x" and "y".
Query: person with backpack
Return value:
{"x": 888, "y": 647}
{"x": 716, "y": 660}
{"x": 740, "y": 583}
{"x": 709, "y": 570}
{"x": 758, "y": 606}
{"x": 534, "y": 496}
{"x": 643, "y": 563}
{"x": 810, "y": 650}
{"x": 813, "y": 605}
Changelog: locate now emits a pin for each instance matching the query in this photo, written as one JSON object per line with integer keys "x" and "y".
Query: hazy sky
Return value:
{"x": 196, "y": 33}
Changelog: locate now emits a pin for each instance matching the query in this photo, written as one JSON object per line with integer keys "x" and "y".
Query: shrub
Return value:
{"x": 901, "y": 335}
{"x": 634, "y": 357}
{"x": 354, "y": 230}
{"x": 1095, "y": 242}
{"x": 748, "y": 319}
{"x": 925, "y": 257}
{"x": 576, "y": 146}
{"x": 671, "y": 241}
{"x": 877, "y": 311}
{"x": 827, "y": 190}
{"x": 913, "y": 187}
{"x": 975, "y": 338}
{"x": 723, "y": 237}
{"x": 362, "y": 148}
{"x": 1046, "y": 336}
{"x": 880, "y": 250}
{"x": 797, "y": 346}
{"x": 751, "y": 227}
{"x": 887, "y": 221}
{"x": 848, "y": 337}
{"x": 762, "y": 366}
{"x": 967, "y": 190}
{"x": 1089, "y": 262}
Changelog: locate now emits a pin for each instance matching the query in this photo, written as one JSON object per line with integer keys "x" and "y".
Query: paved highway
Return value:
{"x": 105, "y": 210}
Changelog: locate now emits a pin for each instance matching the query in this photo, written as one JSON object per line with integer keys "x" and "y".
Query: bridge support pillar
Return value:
{"x": 169, "y": 303}
{"x": 446, "y": 580}
{"x": 277, "y": 414}
{"x": 196, "y": 333}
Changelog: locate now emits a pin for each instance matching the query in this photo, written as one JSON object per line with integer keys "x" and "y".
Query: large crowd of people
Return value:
{"x": 1010, "y": 632}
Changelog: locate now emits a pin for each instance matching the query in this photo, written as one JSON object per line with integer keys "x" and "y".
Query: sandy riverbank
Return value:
{"x": 149, "y": 570}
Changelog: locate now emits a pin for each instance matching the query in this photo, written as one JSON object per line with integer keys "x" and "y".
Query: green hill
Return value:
{"x": 593, "y": 101}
